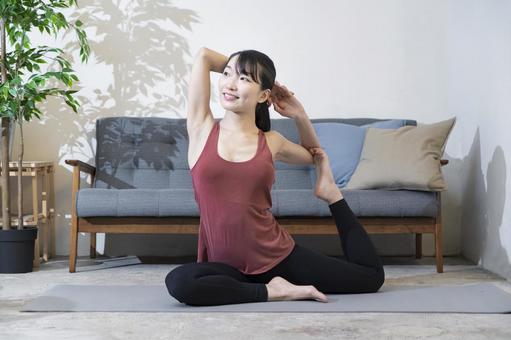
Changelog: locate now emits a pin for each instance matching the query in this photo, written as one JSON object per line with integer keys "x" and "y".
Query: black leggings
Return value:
{"x": 217, "y": 283}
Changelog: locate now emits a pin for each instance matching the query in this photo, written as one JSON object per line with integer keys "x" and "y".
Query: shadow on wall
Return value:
{"x": 140, "y": 59}
{"x": 127, "y": 144}
{"x": 482, "y": 237}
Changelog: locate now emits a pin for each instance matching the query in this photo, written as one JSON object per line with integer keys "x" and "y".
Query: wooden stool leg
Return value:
{"x": 51, "y": 202}
{"x": 44, "y": 208}
{"x": 418, "y": 245}
{"x": 44, "y": 230}
{"x": 92, "y": 245}
{"x": 35, "y": 214}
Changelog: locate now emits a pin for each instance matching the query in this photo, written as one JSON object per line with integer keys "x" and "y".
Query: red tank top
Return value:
{"x": 236, "y": 224}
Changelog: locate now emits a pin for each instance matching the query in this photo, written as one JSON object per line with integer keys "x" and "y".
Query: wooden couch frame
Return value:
{"x": 190, "y": 225}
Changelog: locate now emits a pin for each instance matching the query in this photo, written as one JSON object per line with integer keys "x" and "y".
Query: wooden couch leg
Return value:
{"x": 73, "y": 244}
{"x": 438, "y": 248}
{"x": 418, "y": 245}
{"x": 73, "y": 238}
{"x": 92, "y": 245}
{"x": 438, "y": 237}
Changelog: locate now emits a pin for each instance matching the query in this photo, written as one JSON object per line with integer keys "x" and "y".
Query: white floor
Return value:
{"x": 15, "y": 289}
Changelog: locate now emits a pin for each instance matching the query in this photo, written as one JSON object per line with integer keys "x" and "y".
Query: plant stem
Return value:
{"x": 20, "y": 177}
{"x": 6, "y": 211}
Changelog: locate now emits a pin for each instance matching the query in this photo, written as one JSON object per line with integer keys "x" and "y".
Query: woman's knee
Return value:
{"x": 372, "y": 283}
{"x": 177, "y": 282}
{"x": 379, "y": 280}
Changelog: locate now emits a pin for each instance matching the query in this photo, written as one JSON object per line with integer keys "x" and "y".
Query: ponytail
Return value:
{"x": 262, "y": 117}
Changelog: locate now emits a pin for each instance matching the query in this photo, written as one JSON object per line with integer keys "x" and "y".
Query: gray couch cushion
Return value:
{"x": 142, "y": 170}
{"x": 364, "y": 203}
{"x": 136, "y": 202}
{"x": 136, "y": 152}
{"x": 152, "y": 152}
{"x": 290, "y": 202}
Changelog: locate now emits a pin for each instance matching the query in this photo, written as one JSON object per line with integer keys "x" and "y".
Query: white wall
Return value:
{"x": 423, "y": 60}
{"x": 478, "y": 63}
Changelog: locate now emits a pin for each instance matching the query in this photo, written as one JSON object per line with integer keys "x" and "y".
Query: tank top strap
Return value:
{"x": 212, "y": 141}
{"x": 208, "y": 148}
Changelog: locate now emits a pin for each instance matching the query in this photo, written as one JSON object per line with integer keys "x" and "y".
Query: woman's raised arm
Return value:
{"x": 199, "y": 89}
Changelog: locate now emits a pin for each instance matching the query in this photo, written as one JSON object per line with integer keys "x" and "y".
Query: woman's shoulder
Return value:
{"x": 274, "y": 140}
{"x": 274, "y": 135}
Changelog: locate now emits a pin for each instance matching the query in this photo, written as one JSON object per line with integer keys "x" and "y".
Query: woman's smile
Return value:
{"x": 229, "y": 97}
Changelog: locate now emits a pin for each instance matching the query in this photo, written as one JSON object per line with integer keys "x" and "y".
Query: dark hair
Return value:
{"x": 261, "y": 68}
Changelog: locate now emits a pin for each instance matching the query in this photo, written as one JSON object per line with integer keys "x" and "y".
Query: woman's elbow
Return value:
{"x": 202, "y": 52}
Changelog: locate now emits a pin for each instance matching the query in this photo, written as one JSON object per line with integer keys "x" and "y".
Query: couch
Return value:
{"x": 141, "y": 184}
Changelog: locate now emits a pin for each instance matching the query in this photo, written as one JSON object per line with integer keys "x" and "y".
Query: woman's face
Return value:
{"x": 239, "y": 92}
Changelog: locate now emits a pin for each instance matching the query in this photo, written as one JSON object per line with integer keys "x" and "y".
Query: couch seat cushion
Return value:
{"x": 364, "y": 203}
{"x": 286, "y": 202}
{"x": 136, "y": 202}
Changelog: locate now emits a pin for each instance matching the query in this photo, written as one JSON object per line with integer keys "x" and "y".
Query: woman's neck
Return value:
{"x": 244, "y": 123}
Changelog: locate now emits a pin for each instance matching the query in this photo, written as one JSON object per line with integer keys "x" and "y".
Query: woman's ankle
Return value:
{"x": 335, "y": 198}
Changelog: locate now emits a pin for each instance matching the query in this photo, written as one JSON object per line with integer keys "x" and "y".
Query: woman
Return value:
{"x": 243, "y": 253}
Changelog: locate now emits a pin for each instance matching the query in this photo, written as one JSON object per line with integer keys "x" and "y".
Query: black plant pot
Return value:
{"x": 17, "y": 250}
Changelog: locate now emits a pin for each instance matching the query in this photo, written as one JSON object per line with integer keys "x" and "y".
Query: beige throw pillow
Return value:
{"x": 404, "y": 158}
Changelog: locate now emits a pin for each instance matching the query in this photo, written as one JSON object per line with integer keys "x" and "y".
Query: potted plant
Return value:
{"x": 27, "y": 78}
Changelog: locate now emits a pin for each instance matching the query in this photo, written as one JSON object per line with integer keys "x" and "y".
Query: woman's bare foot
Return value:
{"x": 279, "y": 289}
{"x": 326, "y": 188}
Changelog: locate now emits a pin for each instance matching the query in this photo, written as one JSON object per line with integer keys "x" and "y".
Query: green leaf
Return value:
{"x": 70, "y": 104}
{"x": 37, "y": 112}
{"x": 25, "y": 82}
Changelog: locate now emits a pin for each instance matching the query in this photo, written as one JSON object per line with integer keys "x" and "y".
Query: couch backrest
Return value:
{"x": 151, "y": 152}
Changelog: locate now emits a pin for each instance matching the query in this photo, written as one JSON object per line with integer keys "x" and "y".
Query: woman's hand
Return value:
{"x": 318, "y": 154}
{"x": 284, "y": 101}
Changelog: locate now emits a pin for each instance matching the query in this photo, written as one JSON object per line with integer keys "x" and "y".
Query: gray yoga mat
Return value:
{"x": 469, "y": 298}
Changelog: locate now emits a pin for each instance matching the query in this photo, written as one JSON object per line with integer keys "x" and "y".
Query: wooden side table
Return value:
{"x": 39, "y": 171}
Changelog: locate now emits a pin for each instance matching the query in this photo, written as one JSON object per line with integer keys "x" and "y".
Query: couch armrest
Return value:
{"x": 443, "y": 162}
{"x": 82, "y": 166}
{"x": 78, "y": 166}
